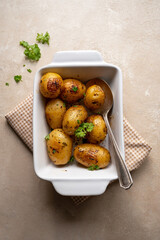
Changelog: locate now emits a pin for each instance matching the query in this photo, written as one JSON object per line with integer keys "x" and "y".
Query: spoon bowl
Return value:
{"x": 108, "y": 102}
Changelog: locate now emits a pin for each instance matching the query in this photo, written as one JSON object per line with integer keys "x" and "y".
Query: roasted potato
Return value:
{"x": 55, "y": 110}
{"x": 59, "y": 146}
{"x": 72, "y": 90}
{"x": 99, "y": 131}
{"x": 94, "y": 98}
{"x": 92, "y": 155}
{"x": 73, "y": 117}
{"x": 50, "y": 85}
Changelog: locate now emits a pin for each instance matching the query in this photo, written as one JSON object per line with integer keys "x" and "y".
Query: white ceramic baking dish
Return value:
{"x": 72, "y": 179}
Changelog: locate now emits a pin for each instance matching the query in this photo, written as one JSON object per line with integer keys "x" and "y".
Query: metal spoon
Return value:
{"x": 124, "y": 175}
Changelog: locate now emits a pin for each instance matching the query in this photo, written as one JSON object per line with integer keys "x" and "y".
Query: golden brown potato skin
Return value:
{"x": 90, "y": 154}
{"x": 99, "y": 131}
{"x": 72, "y": 90}
{"x": 94, "y": 98}
{"x": 59, "y": 147}
{"x": 50, "y": 85}
{"x": 73, "y": 117}
{"x": 55, "y": 110}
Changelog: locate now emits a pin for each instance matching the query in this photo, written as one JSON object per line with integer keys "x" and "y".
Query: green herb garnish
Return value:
{"x": 93, "y": 167}
{"x": 43, "y": 38}
{"x": 54, "y": 150}
{"x": 18, "y": 78}
{"x": 31, "y": 51}
{"x": 75, "y": 88}
{"x": 64, "y": 104}
{"x": 78, "y": 121}
{"x": 71, "y": 159}
{"x": 75, "y": 106}
{"x": 47, "y": 137}
{"x": 24, "y": 65}
{"x": 29, "y": 70}
{"x": 84, "y": 94}
{"x": 83, "y": 129}
{"x": 7, "y": 84}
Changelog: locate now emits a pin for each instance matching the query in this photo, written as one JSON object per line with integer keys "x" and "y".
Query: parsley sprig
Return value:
{"x": 32, "y": 52}
{"x": 83, "y": 129}
{"x": 29, "y": 70}
{"x": 18, "y": 78}
{"x": 47, "y": 137}
{"x": 93, "y": 167}
{"x": 75, "y": 88}
{"x": 71, "y": 159}
{"x": 43, "y": 38}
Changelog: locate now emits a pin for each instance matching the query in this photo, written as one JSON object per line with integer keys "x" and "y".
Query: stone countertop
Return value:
{"x": 127, "y": 33}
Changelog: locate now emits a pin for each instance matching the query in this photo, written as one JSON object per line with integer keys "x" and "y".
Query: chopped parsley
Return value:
{"x": 93, "y": 167}
{"x": 83, "y": 129}
{"x": 78, "y": 121}
{"x": 54, "y": 151}
{"x": 75, "y": 88}
{"x": 18, "y": 78}
{"x": 71, "y": 159}
{"x": 32, "y": 52}
{"x": 29, "y": 70}
{"x": 7, "y": 84}
{"x": 47, "y": 137}
{"x": 24, "y": 65}
{"x": 84, "y": 94}
{"x": 75, "y": 106}
{"x": 43, "y": 38}
{"x": 64, "y": 104}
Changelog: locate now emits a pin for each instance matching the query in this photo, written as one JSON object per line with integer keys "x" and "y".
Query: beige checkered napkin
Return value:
{"x": 20, "y": 119}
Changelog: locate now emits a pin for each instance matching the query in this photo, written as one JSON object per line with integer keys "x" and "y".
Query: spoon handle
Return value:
{"x": 124, "y": 175}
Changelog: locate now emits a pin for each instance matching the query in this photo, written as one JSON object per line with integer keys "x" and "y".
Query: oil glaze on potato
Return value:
{"x": 99, "y": 131}
{"x": 73, "y": 117}
{"x": 94, "y": 98}
{"x": 55, "y": 110}
{"x": 50, "y": 85}
{"x": 72, "y": 90}
{"x": 91, "y": 154}
{"x": 59, "y": 147}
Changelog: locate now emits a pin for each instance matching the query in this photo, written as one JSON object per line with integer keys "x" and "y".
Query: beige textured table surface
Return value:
{"x": 127, "y": 33}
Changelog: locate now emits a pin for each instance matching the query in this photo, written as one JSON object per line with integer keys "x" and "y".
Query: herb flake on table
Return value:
{"x": 83, "y": 129}
{"x": 29, "y": 70}
{"x": 32, "y": 52}
{"x": 43, "y": 38}
{"x": 93, "y": 167}
{"x": 7, "y": 84}
{"x": 18, "y": 78}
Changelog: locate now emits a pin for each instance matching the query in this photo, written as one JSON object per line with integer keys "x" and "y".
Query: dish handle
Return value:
{"x": 80, "y": 187}
{"x": 77, "y": 56}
